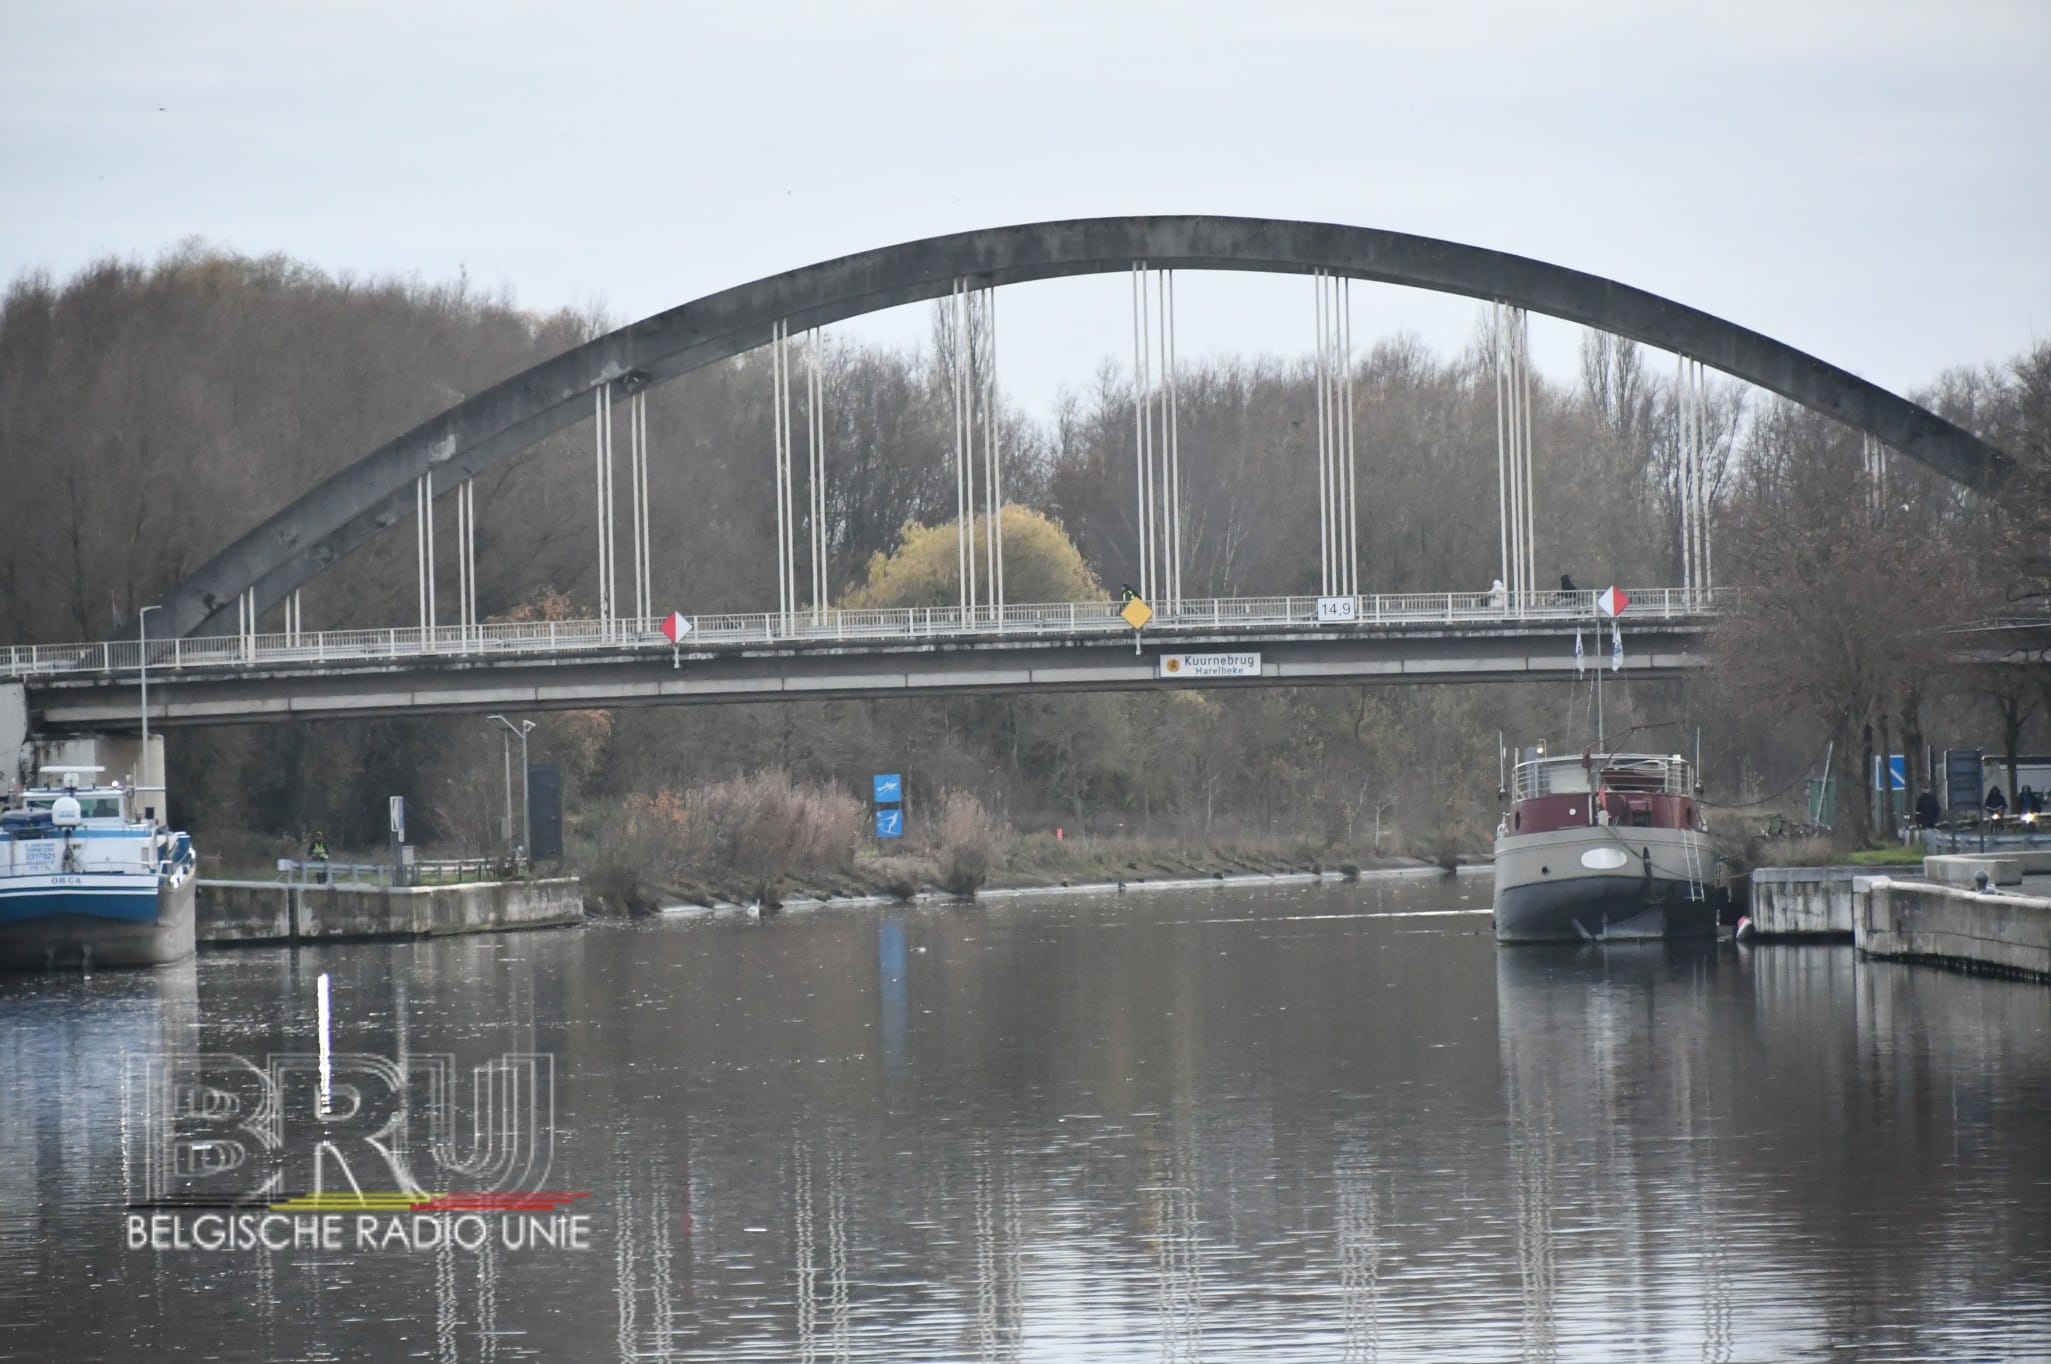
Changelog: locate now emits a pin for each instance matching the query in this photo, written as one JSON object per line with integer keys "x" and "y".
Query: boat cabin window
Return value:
{"x": 91, "y": 805}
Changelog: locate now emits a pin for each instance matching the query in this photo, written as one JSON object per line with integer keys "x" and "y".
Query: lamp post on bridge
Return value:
{"x": 525, "y": 728}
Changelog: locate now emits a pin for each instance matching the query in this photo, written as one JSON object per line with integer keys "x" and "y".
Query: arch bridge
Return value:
{"x": 215, "y": 664}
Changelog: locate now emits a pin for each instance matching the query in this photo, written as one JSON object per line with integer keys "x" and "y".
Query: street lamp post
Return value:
{"x": 506, "y": 752}
{"x": 526, "y": 808}
{"x": 142, "y": 629}
{"x": 525, "y": 728}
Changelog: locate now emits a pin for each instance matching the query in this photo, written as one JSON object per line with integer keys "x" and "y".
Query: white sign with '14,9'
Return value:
{"x": 1338, "y": 608}
{"x": 1197, "y": 667}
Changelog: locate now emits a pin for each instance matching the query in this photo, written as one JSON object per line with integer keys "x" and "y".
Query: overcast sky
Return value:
{"x": 1868, "y": 179}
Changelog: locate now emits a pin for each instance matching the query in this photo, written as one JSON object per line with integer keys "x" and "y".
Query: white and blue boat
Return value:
{"x": 84, "y": 883}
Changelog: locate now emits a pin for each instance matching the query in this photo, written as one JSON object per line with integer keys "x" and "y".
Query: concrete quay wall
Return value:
{"x": 1803, "y": 902}
{"x": 273, "y": 911}
{"x": 1917, "y": 921}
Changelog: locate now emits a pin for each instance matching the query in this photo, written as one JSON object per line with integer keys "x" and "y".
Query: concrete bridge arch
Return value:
{"x": 357, "y": 504}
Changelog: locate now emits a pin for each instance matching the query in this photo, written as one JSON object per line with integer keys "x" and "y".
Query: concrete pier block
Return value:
{"x": 1970, "y": 929}
{"x": 1803, "y": 902}
{"x": 1965, "y": 869}
{"x": 273, "y": 911}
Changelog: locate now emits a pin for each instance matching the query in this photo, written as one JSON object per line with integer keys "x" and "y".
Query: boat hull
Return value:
{"x": 98, "y": 925}
{"x": 1599, "y": 883}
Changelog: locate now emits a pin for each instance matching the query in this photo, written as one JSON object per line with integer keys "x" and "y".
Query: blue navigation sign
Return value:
{"x": 890, "y": 824}
{"x": 889, "y": 788}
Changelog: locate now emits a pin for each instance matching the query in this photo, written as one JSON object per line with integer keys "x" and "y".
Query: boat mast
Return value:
{"x": 1598, "y": 708}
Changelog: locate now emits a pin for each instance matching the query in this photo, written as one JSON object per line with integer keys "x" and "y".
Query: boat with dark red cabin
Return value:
{"x": 1604, "y": 846}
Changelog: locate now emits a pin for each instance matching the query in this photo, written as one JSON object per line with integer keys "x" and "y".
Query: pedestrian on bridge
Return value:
{"x": 317, "y": 850}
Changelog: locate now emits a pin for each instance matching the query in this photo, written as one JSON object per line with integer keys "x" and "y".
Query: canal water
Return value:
{"x": 1288, "y": 1122}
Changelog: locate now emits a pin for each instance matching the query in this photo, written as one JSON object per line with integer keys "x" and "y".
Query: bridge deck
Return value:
{"x": 910, "y": 625}
{"x": 1443, "y": 637}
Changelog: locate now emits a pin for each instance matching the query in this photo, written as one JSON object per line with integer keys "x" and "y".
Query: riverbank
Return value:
{"x": 1082, "y": 865}
{"x": 1215, "y": 881}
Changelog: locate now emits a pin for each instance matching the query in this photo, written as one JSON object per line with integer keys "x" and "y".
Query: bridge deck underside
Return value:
{"x": 640, "y": 675}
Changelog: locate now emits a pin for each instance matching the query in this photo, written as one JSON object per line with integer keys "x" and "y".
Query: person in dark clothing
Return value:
{"x": 1927, "y": 811}
{"x": 1997, "y": 803}
{"x": 317, "y": 852}
{"x": 1567, "y": 583}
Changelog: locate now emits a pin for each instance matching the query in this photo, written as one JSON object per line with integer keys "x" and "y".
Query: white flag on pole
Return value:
{"x": 1616, "y": 648}
{"x": 1578, "y": 662}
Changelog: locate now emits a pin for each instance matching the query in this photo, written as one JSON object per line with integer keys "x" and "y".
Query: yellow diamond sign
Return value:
{"x": 1137, "y": 613}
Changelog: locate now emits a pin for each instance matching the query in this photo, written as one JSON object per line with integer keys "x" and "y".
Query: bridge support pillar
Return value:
{"x": 14, "y": 749}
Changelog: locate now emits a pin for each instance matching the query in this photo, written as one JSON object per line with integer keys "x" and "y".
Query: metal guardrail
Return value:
{"x": 1568, "y": 774}
{"x": 419, "y": 872}
{"x": 917, "y": 624}
{"x": 316, "y": 872}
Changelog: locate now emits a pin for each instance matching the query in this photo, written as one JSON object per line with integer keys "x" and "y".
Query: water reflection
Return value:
{"x": 1294, "y": 1124}
{"x": 1614, "y": 1137}
{"x": 1357, "y": 1218}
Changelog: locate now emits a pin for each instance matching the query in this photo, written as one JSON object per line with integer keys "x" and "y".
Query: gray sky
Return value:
{"x": 1866, "y": 179}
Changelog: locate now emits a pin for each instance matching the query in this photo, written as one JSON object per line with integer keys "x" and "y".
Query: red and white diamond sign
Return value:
{"x": 676, "y": 626}
{"x": 1612, "y": 601}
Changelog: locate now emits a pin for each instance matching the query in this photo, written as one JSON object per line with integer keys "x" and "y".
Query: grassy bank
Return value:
{"x": 1040, "y": 861}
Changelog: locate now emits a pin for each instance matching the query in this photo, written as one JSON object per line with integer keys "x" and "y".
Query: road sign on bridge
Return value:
{"x": 1193, "y": 667}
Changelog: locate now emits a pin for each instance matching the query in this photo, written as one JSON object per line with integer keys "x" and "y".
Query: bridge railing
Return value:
{"x": 913, "y": 624}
